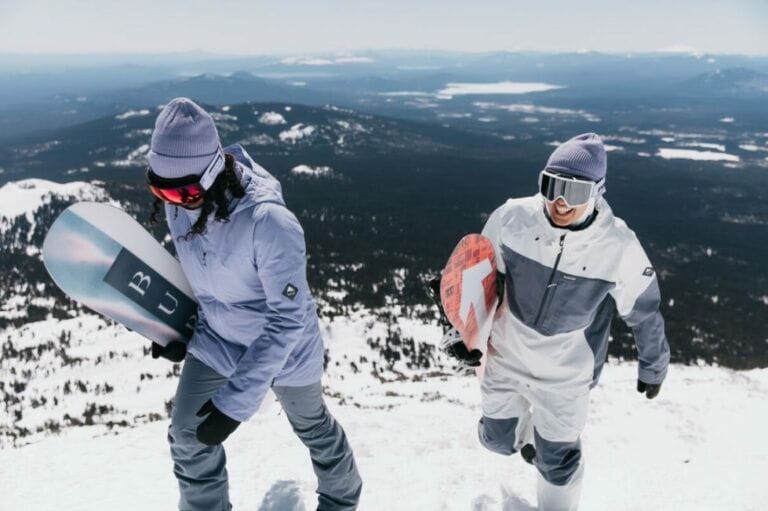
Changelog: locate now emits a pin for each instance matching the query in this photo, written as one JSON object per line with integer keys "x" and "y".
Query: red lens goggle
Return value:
{"x": 179, "y": 192}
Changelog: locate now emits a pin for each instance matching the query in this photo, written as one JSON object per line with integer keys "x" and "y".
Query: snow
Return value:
{"x": 296, "y": 133}
{"x": 132, "y": 113}
{"x": 752, "y": 147}
{"x": 222, "y": 117}
{"x": 406, "y": 93}
{"x": 25, "y": 197}
{"x": 136, "y": 158}
{"x": 727, "y": 120}
{"x": 351, "y": 59}
{"x": 414, "y": 435}
{"x": 319, "y": 61}
{"x": 465, "y": 88}
{"x": 306, "y": 170}
{"x": 681, "y": 48}
{"x": 626, "y": 140}
{"x": 610, "y": 148}
{"x": 416, "y": 446}
{"x": 705, "y": 145}
{"x": 272, "y": 118}
{"x": 690, "y": 154}
{"x": 525, "y": 108}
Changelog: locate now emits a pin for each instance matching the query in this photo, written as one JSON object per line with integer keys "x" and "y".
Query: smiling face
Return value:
{"x": 563, "y": 215}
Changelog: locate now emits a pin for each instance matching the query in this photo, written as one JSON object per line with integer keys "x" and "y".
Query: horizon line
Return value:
{"x": 350, "y": 52}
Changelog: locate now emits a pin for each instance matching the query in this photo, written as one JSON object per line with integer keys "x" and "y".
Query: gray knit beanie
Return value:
{"x": 582, "y": 156}
{"x": 184, "y": 141}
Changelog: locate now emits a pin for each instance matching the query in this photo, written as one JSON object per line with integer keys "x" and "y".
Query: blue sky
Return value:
{"x": 304, "y": 26}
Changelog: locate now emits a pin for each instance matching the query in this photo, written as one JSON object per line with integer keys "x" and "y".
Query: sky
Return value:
{"x": 315, "y": 26}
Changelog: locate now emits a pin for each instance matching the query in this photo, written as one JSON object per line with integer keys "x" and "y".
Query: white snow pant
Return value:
{"x": 515, "y": 413}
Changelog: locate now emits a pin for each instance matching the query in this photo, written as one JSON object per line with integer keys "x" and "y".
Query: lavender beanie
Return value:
{"x": 582, "y": 156}
{"x": 184, "y": 141}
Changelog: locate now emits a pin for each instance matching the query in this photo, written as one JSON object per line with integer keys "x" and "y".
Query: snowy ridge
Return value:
{"x": 27, "y": 208}
{"x": 24, "y": 197}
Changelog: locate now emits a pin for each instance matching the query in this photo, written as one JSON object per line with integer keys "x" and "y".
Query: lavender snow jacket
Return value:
{"x": 257, "y": 321}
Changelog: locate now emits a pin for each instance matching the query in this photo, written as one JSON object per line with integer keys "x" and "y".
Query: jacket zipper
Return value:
{"x": 550, "y": 285}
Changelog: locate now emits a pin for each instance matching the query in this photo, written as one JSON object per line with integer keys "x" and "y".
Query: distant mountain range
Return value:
{"x": 39, "y": 93}
{"x": 735, "y": 82}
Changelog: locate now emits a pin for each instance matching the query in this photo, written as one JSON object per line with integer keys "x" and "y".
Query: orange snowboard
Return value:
{"x": 468, "y": 289}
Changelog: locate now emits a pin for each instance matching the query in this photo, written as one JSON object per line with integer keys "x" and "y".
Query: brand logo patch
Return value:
{"x": 290, "y": 291}
{"x": 648, "y": 272}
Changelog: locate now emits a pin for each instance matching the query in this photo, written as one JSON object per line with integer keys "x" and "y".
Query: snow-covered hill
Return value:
{"x": 23, "y": 198}
{"x": 97, "y": 431}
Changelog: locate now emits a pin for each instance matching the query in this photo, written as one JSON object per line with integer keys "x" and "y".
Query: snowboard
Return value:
{"x": 468, "y": 290}
{"x": 103, "y": 258}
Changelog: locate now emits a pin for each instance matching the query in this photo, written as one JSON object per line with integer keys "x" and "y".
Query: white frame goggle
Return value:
{"x": 574, "y": 191}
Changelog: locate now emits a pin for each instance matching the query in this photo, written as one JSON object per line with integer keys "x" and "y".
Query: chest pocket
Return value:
{"x": 568, "y": 303}
{"x": 232, "y": 276}
{"x": 572, "y": 303}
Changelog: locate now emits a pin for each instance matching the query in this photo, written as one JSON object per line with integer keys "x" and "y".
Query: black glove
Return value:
{"x": 651, "y": 390}
{"x": 175, "y": 351}
{"x": 216, "y": 427}
{"x": 454, "y": 346}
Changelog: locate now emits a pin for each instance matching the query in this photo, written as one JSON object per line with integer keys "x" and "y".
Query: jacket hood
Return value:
{"x": 260, "y": 186}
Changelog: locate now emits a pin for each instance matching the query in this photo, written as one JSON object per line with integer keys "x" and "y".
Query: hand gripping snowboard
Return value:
{"x": 101, "y": 257}
{"x": 468, "y": 290}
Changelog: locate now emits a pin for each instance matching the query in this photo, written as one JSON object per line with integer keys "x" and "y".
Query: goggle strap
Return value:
{"x": 213, "y": 170}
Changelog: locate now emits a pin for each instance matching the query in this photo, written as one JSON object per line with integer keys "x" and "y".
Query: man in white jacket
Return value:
{"x": 567, "y": 263}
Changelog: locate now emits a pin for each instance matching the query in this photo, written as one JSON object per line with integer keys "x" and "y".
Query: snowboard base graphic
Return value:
{"x": 101, "y": 257}
{"x": 468, "y": 290}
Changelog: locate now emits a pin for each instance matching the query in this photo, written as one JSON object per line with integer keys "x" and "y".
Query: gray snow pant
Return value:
{"x": 201, "y": 469}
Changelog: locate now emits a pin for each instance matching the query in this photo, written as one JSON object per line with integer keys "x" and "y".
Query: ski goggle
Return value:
{"x": 188, "y": 189}
{"x": 573, "y": 191}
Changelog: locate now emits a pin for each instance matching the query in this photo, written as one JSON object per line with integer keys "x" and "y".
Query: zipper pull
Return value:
{"x": 562, "y": 242}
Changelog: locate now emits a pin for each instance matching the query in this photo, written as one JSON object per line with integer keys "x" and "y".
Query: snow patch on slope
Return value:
{"x": 296, "y": 133}
{"x": 272, "y": 118}
{"x": 25, "y": 197}
{"x": 306, "y": 170}
{"x": 690, "y": 154}
{"x": 466, "y": 88}
{"x": 132, "y": 113}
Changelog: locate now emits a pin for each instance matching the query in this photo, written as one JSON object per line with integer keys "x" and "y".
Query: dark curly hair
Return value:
{"x": 216, "y": 199}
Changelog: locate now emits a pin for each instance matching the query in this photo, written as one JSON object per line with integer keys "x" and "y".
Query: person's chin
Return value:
{"x": 562, "y": 220}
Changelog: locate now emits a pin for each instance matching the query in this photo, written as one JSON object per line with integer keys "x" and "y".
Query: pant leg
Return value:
{"x": 339, "y": 483}
{"x": 505, "y": 425}
{"x": 199, "y": 469}
{"x": 558, "y": 420}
